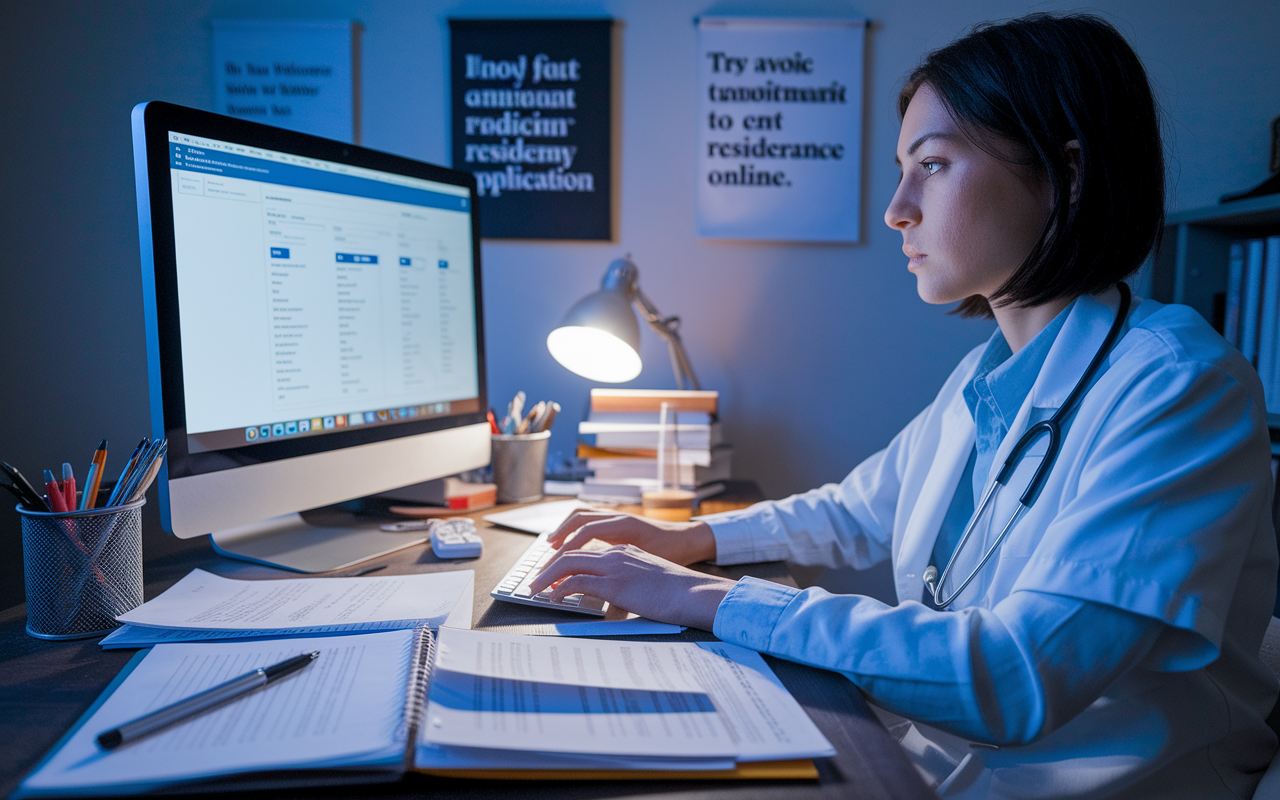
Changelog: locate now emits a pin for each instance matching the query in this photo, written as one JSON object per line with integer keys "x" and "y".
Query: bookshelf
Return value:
{"x": 1191, "y": 265}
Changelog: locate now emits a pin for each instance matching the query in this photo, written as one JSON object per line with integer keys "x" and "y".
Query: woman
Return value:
{"x": 1109, "y": 646}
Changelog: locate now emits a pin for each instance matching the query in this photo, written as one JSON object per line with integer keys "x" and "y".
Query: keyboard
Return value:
{"x": 514, "y": 588}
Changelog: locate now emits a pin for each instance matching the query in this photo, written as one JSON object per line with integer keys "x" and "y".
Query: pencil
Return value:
{"x": 94, "y": 478}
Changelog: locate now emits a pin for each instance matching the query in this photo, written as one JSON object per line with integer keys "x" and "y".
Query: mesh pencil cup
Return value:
{"x": 82, "y": 568}
{"x": 520, "y": 465}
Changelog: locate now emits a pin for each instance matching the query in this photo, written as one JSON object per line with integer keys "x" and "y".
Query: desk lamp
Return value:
{"x": 599, "y": 338}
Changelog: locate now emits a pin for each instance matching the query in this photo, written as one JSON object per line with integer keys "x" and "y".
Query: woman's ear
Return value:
{"x": 1072, "y": 151}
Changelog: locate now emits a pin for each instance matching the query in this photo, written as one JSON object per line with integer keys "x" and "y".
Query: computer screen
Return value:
{"x": 308, "y": 302}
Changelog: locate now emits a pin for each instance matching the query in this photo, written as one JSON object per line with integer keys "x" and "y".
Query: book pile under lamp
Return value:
{"x": 600, "y": 337}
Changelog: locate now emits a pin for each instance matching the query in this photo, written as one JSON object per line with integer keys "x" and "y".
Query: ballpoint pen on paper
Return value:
{"x": 185, "y": 709}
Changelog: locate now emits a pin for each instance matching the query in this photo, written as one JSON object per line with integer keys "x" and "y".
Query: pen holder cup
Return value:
{"x": 520, "y": 465}
{"x": 82, "y": 568}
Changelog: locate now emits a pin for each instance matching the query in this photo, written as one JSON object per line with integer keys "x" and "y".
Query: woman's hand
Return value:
{"x": 682, "y": 543}
{"x": 640, "y": 582}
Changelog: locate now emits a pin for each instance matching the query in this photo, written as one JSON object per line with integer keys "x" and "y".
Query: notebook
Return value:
{"x": 477, "y": 704}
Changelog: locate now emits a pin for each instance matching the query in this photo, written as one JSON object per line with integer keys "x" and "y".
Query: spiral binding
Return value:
{"x": 422, "y": 660}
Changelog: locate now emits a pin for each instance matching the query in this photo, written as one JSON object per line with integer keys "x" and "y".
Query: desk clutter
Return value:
{"x": 461, "y": 703}
{"x": 82, "y": 559}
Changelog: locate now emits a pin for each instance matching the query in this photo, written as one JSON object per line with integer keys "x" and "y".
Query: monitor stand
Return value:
{"x": 291, "y": 542}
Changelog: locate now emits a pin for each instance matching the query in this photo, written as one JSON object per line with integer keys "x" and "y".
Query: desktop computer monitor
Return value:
{"x": 313, "y": 327}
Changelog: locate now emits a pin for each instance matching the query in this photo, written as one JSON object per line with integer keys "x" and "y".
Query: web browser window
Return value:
{"x": 315, "y": 296}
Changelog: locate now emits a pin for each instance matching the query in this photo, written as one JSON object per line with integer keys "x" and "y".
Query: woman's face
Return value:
{"x": 968, "y": 219}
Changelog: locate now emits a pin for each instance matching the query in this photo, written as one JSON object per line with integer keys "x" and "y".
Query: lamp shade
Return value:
{"x": 599, "y": 338}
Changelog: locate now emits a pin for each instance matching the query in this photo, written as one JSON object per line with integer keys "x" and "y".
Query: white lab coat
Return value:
{"x": 1159, "y": 504}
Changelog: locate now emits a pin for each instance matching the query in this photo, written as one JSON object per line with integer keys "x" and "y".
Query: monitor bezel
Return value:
{"x": 160, "y": 278}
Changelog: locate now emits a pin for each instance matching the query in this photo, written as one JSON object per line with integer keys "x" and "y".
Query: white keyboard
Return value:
{"x": 514, "y": 588}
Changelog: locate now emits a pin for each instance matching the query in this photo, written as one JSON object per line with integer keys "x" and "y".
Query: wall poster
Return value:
{"x": 303, "y": 75}
{"x": 780, "y": 128}
{"x": 531, "y": 118}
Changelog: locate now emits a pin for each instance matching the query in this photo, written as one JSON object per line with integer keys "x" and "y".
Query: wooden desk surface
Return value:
{"x": 46, "y": 686}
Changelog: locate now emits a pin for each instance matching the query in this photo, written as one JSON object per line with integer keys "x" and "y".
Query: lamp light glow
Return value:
{"x": 600, "y": 337}
{"x": 594, "y": 354}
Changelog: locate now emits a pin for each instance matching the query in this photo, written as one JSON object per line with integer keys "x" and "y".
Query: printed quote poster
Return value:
{"x": 299, "y": 75}
{"x": 531, "y": 119}
{"x": 780, "y": 128}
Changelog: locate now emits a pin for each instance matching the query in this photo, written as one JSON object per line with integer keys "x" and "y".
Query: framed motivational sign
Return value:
{"x": 531, "y": 119}
{"x": 780, "y": 128}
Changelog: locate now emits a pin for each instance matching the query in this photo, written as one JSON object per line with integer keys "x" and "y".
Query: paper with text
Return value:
{"x": 511, "y": 692}
{"x": 764, "y": 719}
{"x": 204, "y": 601}
{"x": 345, "y": 708}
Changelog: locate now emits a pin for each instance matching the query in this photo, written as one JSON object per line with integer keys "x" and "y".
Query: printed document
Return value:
{"x": 642, "y": 699}
{"x": 345, "y": 708}
{"x": 203, "y": 601}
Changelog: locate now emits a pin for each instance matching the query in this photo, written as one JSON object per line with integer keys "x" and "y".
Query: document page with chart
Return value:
{"x": 345, "y": 710}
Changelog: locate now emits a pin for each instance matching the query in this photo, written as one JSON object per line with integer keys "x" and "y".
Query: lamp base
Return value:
{"x": 670, "y": 505}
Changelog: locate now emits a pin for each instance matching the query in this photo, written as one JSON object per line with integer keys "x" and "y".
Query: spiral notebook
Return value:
{"x": 472, "y": 704}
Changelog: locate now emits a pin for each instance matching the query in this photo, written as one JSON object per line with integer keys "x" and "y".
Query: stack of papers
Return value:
{"x": 502, "y": 701}
{"x": 206, "y": 607}
{"x": 492, "y": 701}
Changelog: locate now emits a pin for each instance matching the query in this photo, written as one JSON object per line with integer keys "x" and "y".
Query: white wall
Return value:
{"x": 820, "y": 352}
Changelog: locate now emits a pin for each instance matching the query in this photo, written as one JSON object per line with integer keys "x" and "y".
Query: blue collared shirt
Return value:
{"x": 1000, "y": 385}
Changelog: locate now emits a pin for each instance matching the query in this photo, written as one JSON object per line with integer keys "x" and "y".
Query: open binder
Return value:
{"x": 478, "y": 705}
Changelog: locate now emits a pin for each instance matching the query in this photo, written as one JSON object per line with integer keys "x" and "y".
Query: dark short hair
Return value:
{"x": 1039, "y": 82}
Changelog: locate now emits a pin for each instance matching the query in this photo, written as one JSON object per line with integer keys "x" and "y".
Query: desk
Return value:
{"x": 46, "y": 686}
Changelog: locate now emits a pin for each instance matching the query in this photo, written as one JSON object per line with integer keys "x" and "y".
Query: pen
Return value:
{"x": 94, "y": 479}
{"x": 553, "y": 408}
{"x": 493, "y": 423}
{"x": 133, "y": 460}
{"x": 515, "y": 413}
{"x": 57, "y": 502}
{"x": 149, "y": 473}
{"x": 94, "y": 476}
{"x": 68, "y": 486}
{"x": 23, "y": 487}
{"x": 183, "y": 709}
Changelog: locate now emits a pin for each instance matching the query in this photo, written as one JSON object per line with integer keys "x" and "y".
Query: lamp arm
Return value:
{"x": 669, "y": 329}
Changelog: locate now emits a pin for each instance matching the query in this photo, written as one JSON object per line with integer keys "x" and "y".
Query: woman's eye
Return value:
{"x": 930, "y": 167}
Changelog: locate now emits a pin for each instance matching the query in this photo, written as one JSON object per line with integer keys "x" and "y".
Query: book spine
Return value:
{"x": 1235, "y": 281}
{"x": 1251, "y": 302}
{"x": 1267, "y": 319}
{"x": 1271, "y": 322}
{"x": 422, "y": 659}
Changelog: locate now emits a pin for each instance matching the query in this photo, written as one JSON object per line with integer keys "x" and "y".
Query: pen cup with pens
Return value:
{"x": 519, "y": 451}
{"x": 83, "y": 564}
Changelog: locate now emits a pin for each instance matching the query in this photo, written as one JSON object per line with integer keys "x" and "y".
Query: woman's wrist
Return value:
{"x": 702, "y": 541}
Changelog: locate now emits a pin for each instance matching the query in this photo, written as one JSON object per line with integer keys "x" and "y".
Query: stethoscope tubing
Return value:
{"x": 1051, "y": 426}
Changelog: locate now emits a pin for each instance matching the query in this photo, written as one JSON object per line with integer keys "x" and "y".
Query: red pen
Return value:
{"x": 56, "y": 499}
{"x": 493, "y": 422}
{"x": 68, "y": 486}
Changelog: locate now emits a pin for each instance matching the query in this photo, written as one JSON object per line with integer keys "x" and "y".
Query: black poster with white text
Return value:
{"x": 531, "y": 119}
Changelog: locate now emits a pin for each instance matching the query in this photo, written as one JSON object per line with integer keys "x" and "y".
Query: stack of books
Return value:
{"x": 1253, "y": 305}
{"x": 620, "y": 443}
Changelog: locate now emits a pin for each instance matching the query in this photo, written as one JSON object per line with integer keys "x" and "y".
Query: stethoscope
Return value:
{"x": 1051, "y": 426}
